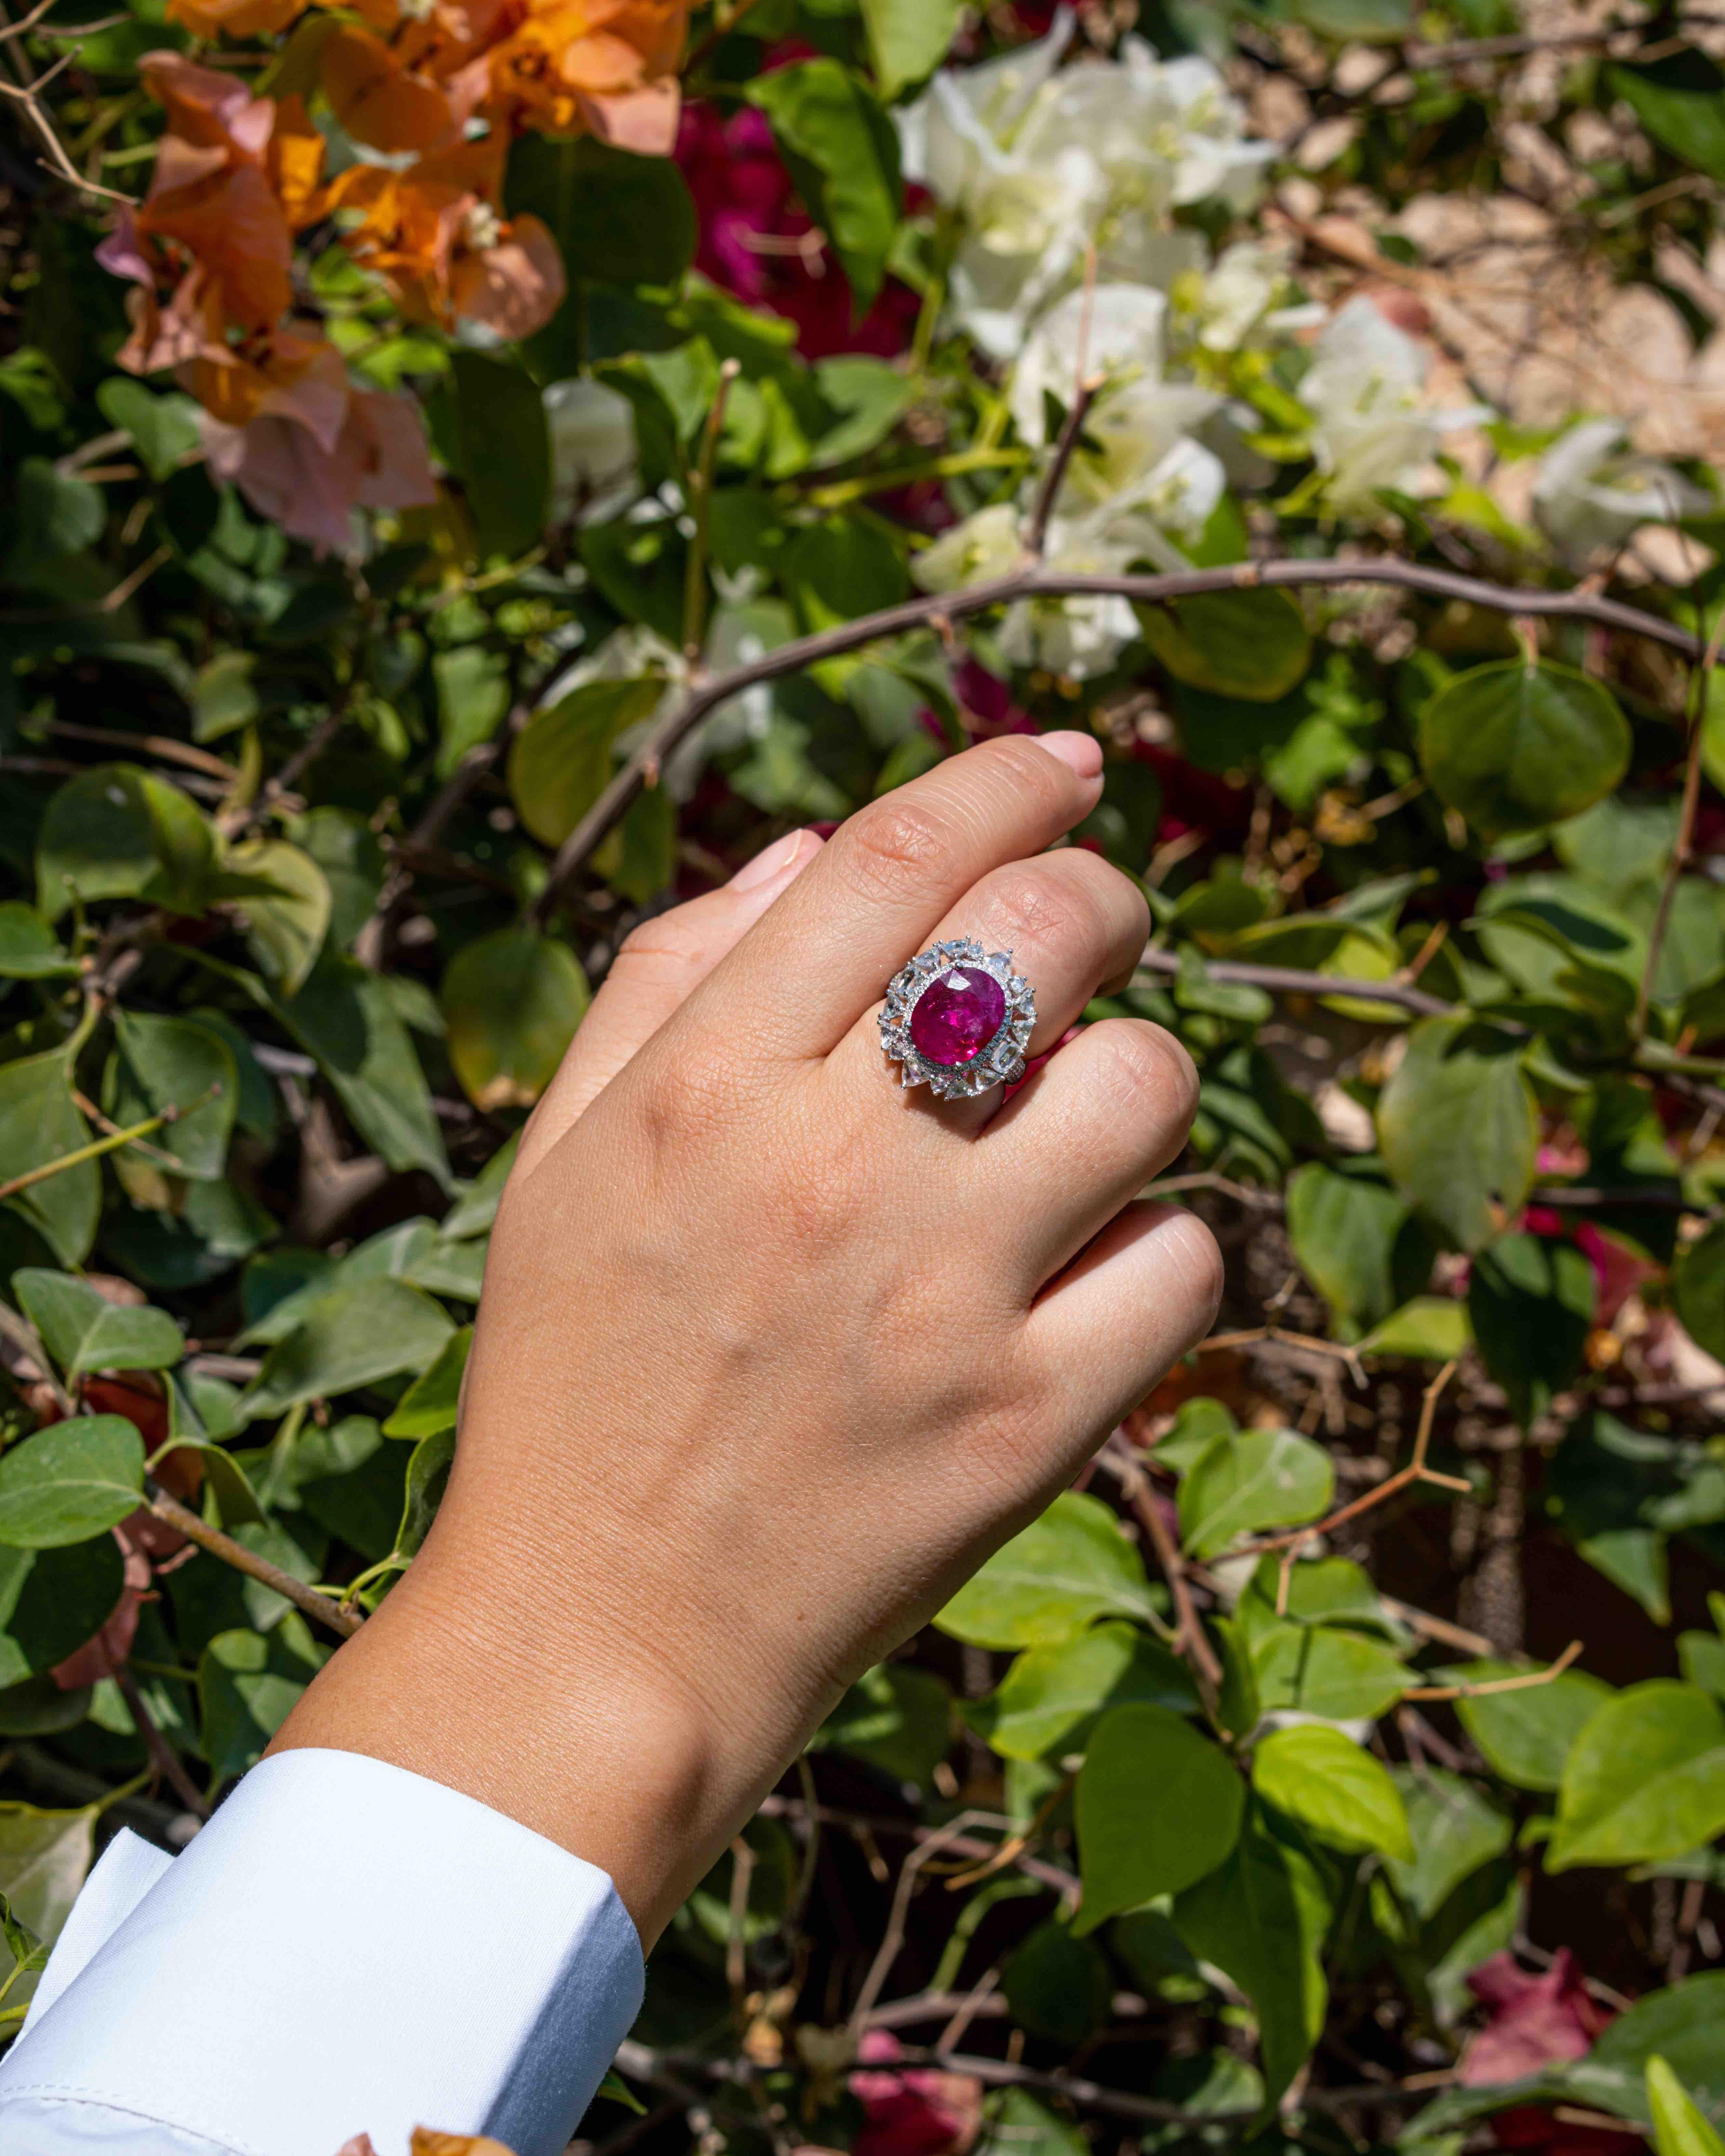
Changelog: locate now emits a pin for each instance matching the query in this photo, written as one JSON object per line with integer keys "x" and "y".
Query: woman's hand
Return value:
{"x": 773, "y": 1354}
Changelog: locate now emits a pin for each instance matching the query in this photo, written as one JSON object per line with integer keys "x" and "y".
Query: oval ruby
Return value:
{"x": 957, "y": 1016}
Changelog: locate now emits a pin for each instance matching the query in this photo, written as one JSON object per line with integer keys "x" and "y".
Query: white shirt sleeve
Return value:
{"x": 346, "y": 1948}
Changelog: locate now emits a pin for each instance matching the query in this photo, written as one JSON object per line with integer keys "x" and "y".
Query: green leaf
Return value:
{"x": 1262, "y": 1919}
{"x": 1352, "y": 1238}
{"x": 1355, "y": 22}
{"x": 619, "y": 218}
{"x": 50, "y": 515}
{"x": 1514, "y": 747}
{"x": 1333, "y": 1786}
{"x": 1680, "y": 100}
{"x": 223, "y": 696}
{"x": 1050, "y": 1699}
{"x": 430, "y": 1402}
{"x": 28, "y": 1953}
{"x": 505, "y": 450}
{"x": 38, "y": 1123}
{"x": 908, "y": 39}
{"x": 177, "y": 1063}
{"x": 1698, "y": 1290}
{"x": 841, "y": 567}
{"x": 83, "y": 1331}
{"x": 512, "y": 1002}
{"x": 53, "y": 1600}
{"x": 284, "y": 898}
{"x": 1253, "y": 1480}
{"x": 1679, "y": 2126}
{"x": 1525, "y": 1736}
{"x": 71, "y": 1482}
{"x": 1645, "y": 1779}
{"x": 1254, "y": 646}
{"x": 45, "y": 1857}
{"x": 1059, "y": 1985}
{"x": 1018, "y": 2125}
{"x": 1682, "y": 2025}
{"x": 1455, "y": 1831}
{"x": 1071, "y": 1566}
{"x": 615, "y": 2090}
{"x": 897, "y": 1717}
{"x": 116, "y": 832}
{"x": 639, "y": 857}
{"x": 29, "y": 949}
{"x": 357, "y": 1336}
{"x": 472, "y": 698}
{"x": 164, "y": 429}
{"x": 428, "y": 1466}
{"x": 561, "y": 762}
{"x": 1430, "y": 1328}
{"x": 1531, "y": 1300}
{"x": 1158, "y": 1806}
{"x": 1318, "y": 1669}
{"x": 247, "y": 1686}
{"x": 841, "y": 151}
{"x": 1458, "y": 1127}
{"x": 344, "y": 1017}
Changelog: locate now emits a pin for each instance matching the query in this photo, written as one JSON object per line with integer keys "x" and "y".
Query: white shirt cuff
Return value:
{"x": 346, "y": 1948}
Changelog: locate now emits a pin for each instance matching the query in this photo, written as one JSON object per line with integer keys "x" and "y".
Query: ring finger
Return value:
{"x": 1073, "y": 926}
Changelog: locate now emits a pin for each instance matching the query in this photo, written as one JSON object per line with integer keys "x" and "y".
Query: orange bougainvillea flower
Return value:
{"x": 234, "y": 176}
{"x": 316, "y": 449}
{"x": 382, "y": 102}
{"x": 435, "y": 232}
{"x": 602, "y": 67}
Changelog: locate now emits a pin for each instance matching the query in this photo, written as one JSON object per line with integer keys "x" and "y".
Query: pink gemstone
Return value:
{"x": 957, "y": 1016}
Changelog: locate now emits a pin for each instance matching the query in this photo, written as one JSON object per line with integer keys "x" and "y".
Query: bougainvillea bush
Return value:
{"x": 477, "y": 469}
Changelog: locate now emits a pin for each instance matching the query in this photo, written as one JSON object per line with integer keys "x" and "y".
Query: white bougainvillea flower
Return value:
{"x": 1243, "y": 293}
{"x": 1072, "y": 636}
{"x": 1371, "y": 426}
{"x": 1593, "y": 491}
{"x": 1137, "y": 418}
{"x": 983, "y": 547}
{"x": 1116, "y": 331}
{"x": 593, "y": 450}
{"x": 1044, "y": 162}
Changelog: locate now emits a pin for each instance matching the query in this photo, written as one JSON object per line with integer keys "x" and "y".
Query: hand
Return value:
{"x": 774, "y": 1354}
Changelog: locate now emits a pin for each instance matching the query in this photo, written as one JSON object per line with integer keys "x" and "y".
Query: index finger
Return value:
{"x": 886, "y": 878}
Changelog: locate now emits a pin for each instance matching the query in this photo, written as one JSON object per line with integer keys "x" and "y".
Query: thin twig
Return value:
{"x": 1528, "y": 1681}
{"x": 1416, "y": 1471}
{"x": 1698, "y": 683}
{"x": 305, "y": 1599}
{"x": 98, "y": 1147}
{"x": 700, "y": 506}
{"x": 1036, "y": 530}
{"x": 1033, "y": 582}
{"x": 1191, "y": 1641}
{"x": 163, "y": 1755}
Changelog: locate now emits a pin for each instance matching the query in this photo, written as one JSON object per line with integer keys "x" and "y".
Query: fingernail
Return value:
{"x": 1079, "y": 752}
{"x": 771, "y": 861}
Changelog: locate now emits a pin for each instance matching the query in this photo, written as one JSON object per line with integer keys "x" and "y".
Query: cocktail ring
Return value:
{"x": 959, "y": 1020}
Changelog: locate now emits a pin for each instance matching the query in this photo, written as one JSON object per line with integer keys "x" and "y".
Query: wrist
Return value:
{"x": 539, "y": 1711}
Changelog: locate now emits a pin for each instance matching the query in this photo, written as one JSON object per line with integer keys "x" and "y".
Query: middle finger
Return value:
{"x": 1073, "y": 925}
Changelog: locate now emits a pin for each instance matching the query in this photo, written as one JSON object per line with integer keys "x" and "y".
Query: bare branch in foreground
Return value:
{"x": 706, "y": 693}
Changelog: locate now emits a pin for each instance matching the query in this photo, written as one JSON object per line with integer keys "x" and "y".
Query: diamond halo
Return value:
{"x": 1000, "y": 1060}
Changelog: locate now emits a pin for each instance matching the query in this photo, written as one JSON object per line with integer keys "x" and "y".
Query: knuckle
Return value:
{"x": 1028, "y": 907}
{"x": 891, "y": 845}
{"x": 1142, "y": 1066}
{"x": 669, "y": 945}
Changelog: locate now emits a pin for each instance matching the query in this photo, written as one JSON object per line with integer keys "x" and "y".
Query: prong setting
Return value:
{"x": 1000, "y": 1060}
